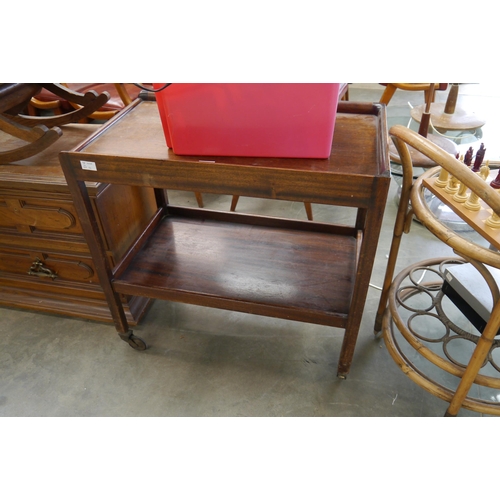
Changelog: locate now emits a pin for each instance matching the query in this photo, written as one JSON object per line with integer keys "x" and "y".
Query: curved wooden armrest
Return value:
{"x": 56, "y": 103}
{"x": 13, "y": 95}
{"x": 88, "y": 103}
{"x": 122, "y": 99}
{"x": 67, "y": 94}
{"x": 38, "y": 138}
{"x": 106, "y": 115}
{"x": 93, "y": 102}
{"x": 45, "y": 104}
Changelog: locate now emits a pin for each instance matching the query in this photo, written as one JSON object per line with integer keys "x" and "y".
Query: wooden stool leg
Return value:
{"x": 451, "y": 101}
{"x": 426, "y": 115}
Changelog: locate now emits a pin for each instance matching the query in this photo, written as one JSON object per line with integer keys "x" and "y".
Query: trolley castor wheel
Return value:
{"x": 135, "y": 342}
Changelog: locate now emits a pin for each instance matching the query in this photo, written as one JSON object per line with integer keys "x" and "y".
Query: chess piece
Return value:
{"x": 452, "y": 186}
{"x": 461, "y": 195}
{"x": 472, "y": 202}
{"x": 484, "y": 171}
{"x": 495, "y": 183}
{"x": 442, "y": 180}
{"x": 494, "y": 220}
{"x": 479, "y": 158}
{"x": 468, "y": 157}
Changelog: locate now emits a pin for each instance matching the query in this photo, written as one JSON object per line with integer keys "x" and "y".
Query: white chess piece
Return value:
{"x": 442, "y": 180}
{"x": 472, "y": 202}
{"x": 452, "y": 186}
{"x": 493, "y": 221}
{"x": 484, "y": 171}
{"x": 460, "y": 196}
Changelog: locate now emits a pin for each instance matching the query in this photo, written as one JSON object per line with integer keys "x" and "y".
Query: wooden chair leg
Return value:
{"x": 388, "y": 93}
{"x": 199, "y": 199}
{"x": 309, "y": 212}
{"x": 234, "y": 202}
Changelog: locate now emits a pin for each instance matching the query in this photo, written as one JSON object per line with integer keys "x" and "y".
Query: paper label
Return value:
{"x": 88, "y": 165}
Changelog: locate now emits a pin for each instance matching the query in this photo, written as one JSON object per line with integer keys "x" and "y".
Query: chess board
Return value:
{"x": 475, "y": 219}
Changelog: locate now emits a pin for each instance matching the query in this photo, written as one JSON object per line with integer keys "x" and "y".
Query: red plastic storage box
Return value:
{"x": 283, "y": 120}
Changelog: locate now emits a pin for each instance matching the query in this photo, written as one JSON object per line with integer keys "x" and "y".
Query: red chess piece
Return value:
{"x": 495, "y": 183}
{"x": 468, "y": 156}
{"x": 479, "y": 158}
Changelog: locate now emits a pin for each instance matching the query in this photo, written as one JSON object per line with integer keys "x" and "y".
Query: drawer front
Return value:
{"x": 43, "y": 266}
{"x": 38, "y": 215}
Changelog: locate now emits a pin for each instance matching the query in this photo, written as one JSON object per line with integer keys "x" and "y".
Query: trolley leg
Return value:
{"x": 97, "y": 248}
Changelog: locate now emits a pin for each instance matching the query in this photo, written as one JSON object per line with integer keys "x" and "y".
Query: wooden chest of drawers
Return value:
{"x": 45, "y": 263}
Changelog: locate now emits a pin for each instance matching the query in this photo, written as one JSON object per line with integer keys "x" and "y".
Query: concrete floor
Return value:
{"x": 207, "y": 362}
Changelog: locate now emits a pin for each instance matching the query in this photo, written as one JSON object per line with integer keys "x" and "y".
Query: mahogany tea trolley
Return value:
{"x": 298, "y": 270}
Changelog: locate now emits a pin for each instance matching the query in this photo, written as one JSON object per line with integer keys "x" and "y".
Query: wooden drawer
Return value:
{"x": 34, "y": 220}
{"x": 42, "y": 266}
{"x": 27, "y": 214}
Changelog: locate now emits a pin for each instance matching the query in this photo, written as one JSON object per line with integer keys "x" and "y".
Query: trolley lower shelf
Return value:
{"x": 246, "y": 263}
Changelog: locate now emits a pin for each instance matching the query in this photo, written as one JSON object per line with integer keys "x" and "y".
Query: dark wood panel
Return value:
{"x": 277, "y": 184}
{"x": 124, "y": 212}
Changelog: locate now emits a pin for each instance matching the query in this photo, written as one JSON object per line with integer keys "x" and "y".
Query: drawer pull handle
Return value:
{"x": 38, "y": 269}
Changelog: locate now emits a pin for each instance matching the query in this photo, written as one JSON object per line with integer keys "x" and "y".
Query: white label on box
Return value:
{"x": 88, "y": 165}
